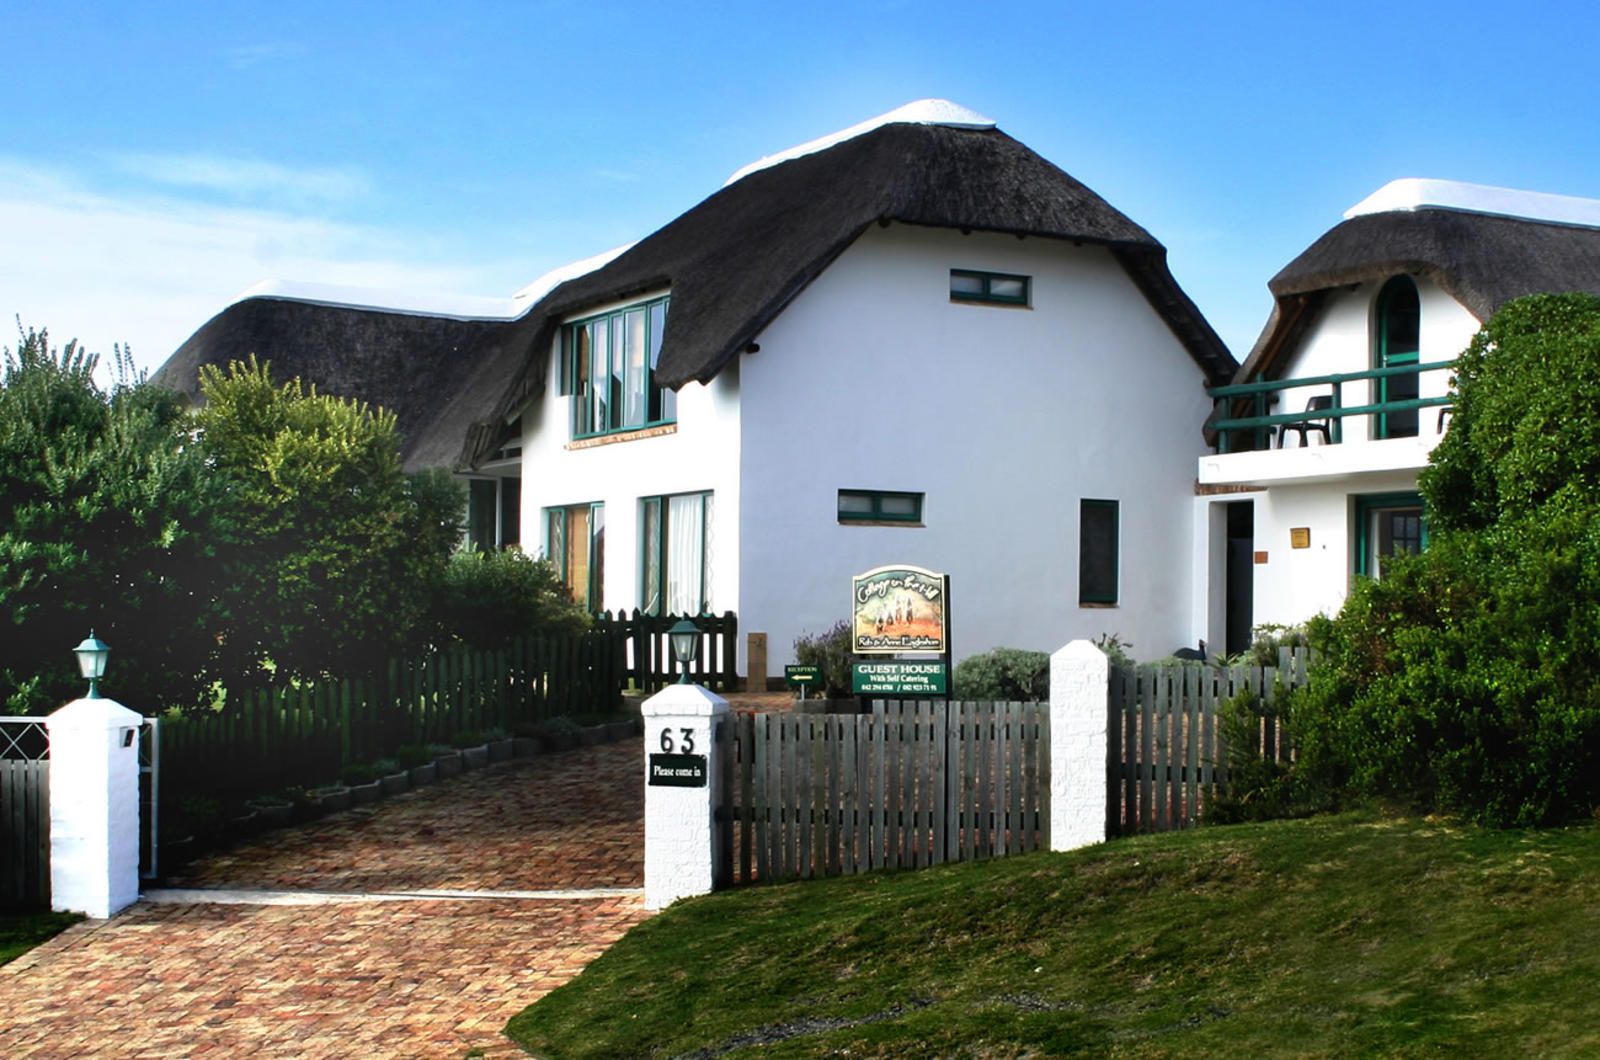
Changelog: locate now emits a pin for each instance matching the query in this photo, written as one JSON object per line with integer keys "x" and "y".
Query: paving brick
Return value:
{"x": 431, "y": 978}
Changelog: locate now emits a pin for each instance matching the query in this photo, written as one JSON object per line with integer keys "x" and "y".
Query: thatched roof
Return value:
{"x": 1482, "y": 260}
{"x": 737, "y": 259}
{"x": 410, "y": 364}
{"x": 732, "y": 263}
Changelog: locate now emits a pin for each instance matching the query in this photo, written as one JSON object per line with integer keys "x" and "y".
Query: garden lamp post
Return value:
{"x": 685, "y": 639}
{"x": 92, "y": 662}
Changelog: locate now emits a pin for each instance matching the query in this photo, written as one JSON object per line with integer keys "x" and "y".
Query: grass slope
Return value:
{"x": 1322, "y": 937}
{"x": 21, "y": 932}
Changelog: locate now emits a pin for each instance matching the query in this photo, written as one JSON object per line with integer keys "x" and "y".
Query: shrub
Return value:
{"x": 1260, "y": 788}
{"x": 1269, "y": 638}
{"x": 328, "y": 553}
{"x": 1004, "y": 674}
{"x": 486, "y": 599}
{"x": 1116, "y": 649}
{"x": 831, "y": 653}
{"x": 104, "y": 505}
{"x": 1468, "y": 679}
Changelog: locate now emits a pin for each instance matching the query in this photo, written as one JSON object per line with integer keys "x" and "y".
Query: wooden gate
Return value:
{"x": 24, "y": 813}
{"x": 1166, "y": 756}
{"x": 909, "y": 785}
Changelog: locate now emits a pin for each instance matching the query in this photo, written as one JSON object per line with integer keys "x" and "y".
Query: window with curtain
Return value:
{"x": 575, "y": 545}
{"x": 675, "y": 534}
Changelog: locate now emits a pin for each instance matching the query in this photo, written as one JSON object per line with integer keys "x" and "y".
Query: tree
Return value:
{"x": 1468, "y": 679}
{"x": 103, "y": 506}
{"x": 328, "y": 554}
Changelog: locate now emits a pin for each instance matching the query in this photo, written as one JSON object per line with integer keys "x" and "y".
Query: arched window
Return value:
{"x": 1396, "y": 341}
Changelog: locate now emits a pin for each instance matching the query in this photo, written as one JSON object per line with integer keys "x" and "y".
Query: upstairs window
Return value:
{"x": 1398, "y": 340}
{"x": 609, "y": 366}
{"x": 880, "y": 506}
{"x": 992, "y": 288}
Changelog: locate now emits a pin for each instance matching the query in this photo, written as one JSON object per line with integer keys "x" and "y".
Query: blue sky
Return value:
{"x": 157, "y": 159}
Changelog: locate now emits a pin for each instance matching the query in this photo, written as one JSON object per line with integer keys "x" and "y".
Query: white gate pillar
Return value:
{"x": 680, "y": 770}
{"x": 1079, "y": 675}
{"x": 94, "y": 807}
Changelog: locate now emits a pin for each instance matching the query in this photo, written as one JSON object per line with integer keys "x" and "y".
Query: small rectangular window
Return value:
{"x": 879, "y": 506}
{"x": 1097, "y": 552}
{"x": 967, "y": 285}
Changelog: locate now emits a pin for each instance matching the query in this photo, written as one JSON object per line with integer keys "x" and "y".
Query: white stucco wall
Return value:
{"x": 1340, "y": 340}
{"x": 1296, "y": 583}
{"x": 1004, "y": 418}
{"x": 701, "y": 454}
{"x": 1318, "y": 487}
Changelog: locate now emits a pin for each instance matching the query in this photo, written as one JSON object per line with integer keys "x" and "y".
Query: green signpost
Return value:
{"x": 802, "y": 677}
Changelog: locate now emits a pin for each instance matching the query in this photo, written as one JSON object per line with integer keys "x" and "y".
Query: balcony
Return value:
{"x": 1335, "y": 439}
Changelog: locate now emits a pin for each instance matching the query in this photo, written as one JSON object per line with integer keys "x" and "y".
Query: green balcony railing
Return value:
{"x": 1259, "y": 424}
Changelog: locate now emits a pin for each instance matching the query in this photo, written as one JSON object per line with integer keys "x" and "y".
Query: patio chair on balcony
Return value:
{"x": 1319, "y": 403}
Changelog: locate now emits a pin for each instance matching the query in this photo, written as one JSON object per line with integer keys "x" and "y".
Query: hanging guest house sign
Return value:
{"x": 900, "y": 609}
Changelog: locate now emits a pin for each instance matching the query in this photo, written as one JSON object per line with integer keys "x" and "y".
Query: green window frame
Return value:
{"x": 1387, "y": 524}
{"x": 989, "y": 288}
{"x": 580, "y": 564}
{"x": 676, "y": 553}
{"x": 1099, "y": 551}
{"x": 880, "y": 506}
{"x": 608, "y": 368}
{"x": 1397, "y": 341}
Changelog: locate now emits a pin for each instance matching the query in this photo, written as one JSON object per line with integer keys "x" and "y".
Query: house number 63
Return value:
{"x": 683, "y": 745}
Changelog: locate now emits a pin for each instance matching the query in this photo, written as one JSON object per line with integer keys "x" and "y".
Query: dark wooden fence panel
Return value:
{"x": 909, "y": 785}
{"x": 1166, "y": 757}
{"x": 266, "y": 739}
{"x": 646, "y": 657}
{"x": 24, "y": 814}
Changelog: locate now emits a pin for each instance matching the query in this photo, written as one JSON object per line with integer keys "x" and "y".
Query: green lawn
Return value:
{"x": 1326, "y": 937}
{"x": 21, "y": 932}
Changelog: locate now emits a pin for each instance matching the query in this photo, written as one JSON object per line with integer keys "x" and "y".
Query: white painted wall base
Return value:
{"x": 1079, "y": 674}
{"x": 94, "y": 807}
{"x": 679, "y": 837}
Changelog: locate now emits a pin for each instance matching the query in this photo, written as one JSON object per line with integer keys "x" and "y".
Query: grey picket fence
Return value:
{"x": 24, "y": 813}
{"x": 909, "y": 785}
{"x": 1166, "y": 756}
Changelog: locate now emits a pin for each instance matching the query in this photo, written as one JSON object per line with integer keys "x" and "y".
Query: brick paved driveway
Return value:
{"x": 365, "y": 978}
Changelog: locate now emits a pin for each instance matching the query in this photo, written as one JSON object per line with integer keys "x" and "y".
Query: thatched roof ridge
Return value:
{"x": 737, "y": 259}
{"x": 1482, "y": 260}
{"x": 409, "y": 363}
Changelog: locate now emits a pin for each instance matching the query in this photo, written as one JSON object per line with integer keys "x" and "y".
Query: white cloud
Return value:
{"x": 147, "y": 270}
{"x": 247, "y": 180}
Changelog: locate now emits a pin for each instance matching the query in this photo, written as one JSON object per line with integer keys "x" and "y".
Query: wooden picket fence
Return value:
{"x": 1166, "y": 757}
{"x": 24, "y": 814}
{"x": 647, "y": 657}
{"x": 263, "y": 740}
{"x": 909, "y": 785}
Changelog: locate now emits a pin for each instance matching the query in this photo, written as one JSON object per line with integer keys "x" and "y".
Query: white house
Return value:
{"x": 1366, "y": 323}
{"x": 915, "y": 341}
